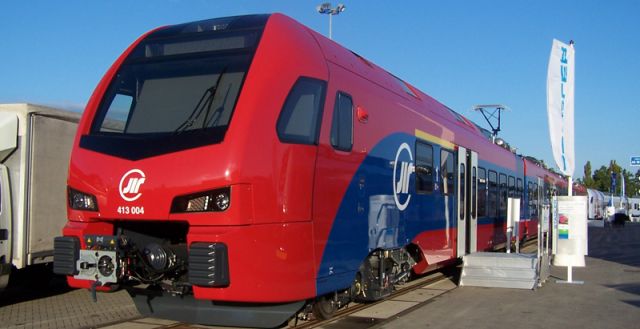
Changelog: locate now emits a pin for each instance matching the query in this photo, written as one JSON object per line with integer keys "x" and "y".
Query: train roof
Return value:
{"x": 361, "y": 66}
{"x": 414, "y": 99}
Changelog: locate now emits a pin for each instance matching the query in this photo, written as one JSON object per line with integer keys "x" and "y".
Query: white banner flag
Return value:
{"x": 560, "y": 86}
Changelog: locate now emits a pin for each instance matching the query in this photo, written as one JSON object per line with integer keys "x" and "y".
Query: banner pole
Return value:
{"x": 570, "y": 188}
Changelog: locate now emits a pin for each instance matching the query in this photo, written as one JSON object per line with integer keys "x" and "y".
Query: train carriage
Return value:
{"x": 232, "y": 171}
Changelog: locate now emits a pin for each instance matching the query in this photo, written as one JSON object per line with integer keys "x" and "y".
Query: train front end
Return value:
{"x": 165, "y": 183}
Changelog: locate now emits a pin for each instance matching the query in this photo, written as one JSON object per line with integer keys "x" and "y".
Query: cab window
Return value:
{"x": 299, "y": 121}
{"x": 342, "y": 126}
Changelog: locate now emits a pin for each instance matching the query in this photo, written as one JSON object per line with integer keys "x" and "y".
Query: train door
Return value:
{"x": 472, "y": 223}
{"x": 467, "y": 195}
{"x": 334, "y": 243}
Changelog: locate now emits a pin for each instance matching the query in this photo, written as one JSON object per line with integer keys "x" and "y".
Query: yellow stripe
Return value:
{"x": 433, "y": 139}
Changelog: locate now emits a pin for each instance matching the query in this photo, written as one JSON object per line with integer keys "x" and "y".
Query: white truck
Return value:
{"x": 35, "y": 144}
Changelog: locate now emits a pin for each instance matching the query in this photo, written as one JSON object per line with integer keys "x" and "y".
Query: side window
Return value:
{"x": 512, "y": 187}
{"x": 342, "y": 126}
{"x": 474, "y": 187}
{"x": 493, "y": 194}
{"x": 530, "y": 198}
{"x": 519, "y": 194}
{"x": 463, "y": 191}
{"x": 536, "y": 193}
{"x": 299, "y": 121}
{"x": 446, "y": 170}
{"x": 503, "y": 195}
{"x": 424, "y": 168}
{"x": 482, "y": 192}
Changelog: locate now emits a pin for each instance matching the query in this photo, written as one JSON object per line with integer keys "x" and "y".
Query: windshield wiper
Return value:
{"x": 205, "y": 103}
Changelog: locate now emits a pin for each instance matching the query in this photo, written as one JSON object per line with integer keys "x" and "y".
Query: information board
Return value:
{"x": 572, "y": 231}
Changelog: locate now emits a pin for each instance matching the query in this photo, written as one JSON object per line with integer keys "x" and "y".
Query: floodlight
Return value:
{"x": 325, "y": 8}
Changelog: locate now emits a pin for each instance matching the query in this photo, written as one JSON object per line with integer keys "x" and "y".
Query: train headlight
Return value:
{"x": 214, "y": 200}
{"x": 223, "y": 200}
{"x": 81, "y": 201}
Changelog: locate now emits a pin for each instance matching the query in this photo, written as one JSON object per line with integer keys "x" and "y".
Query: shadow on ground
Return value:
{"x": 616, "y": 244}
{"x": 33, "y": 282}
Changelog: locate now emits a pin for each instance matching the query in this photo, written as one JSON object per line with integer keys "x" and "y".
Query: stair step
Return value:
{"x": 499, "y": 272}
{"x": 500, "y": 260}
{"x": 501, "y": 283}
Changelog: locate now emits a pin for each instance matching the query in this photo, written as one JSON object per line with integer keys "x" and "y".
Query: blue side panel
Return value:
{"x": 370, "y": 214}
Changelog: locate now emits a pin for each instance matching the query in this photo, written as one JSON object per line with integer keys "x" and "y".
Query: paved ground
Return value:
{"x": 35, "y": 298}
{"x": 609, "y": 297}
{"x": 73, "y": 309}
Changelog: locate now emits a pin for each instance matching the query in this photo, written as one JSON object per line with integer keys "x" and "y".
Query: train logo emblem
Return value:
{"x": 403, "y": 168}
{"x": 130, "y": 184}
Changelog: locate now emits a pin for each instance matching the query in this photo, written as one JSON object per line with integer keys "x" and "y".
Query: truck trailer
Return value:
{"x": 35, "y": 144}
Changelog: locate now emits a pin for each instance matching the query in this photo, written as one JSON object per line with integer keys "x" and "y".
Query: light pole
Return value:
{"x": 325, "y": 8}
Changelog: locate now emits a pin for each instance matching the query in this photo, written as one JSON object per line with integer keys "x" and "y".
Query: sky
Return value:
{"x": 462, "y": 53}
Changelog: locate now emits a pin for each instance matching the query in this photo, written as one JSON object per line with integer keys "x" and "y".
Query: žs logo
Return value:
{"x": 130, "y": 184}
{"x": 403, "y": 168}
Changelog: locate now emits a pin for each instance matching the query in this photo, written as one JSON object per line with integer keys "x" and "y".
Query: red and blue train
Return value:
{"x": 239, "y": 170}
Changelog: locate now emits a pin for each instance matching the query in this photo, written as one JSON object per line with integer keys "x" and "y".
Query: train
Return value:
{"x": 242, "y": 170}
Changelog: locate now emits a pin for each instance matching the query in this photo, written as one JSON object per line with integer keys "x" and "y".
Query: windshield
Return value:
{"x": 172, "y": 93}
{"x": 172, "y": 96}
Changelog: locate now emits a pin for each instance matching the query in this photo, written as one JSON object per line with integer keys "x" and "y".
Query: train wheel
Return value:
{"x": 324, "y": 308}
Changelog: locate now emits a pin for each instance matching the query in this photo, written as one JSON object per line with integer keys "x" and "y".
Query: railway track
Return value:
{"x": 342, "y": 315}
{"x": 353, "y": 308}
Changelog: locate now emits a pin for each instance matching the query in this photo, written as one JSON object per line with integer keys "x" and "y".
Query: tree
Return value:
{"x": 632, "y": 183}
{"x": 588, "y": 179}
{"x": 602, "y": 179}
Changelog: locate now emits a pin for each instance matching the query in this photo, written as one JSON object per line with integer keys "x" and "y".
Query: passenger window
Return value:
{"x": 424, "y": 168}
{"x": 482, "y": 192}
{"x": 519, "y": 193}
{"x": 342, "y": 126}
{"x": 299, "y": 121}
{"x": 530, "y": 198}
{"x": 474, "y": 186}
{"x": 503, "y": 195}
{"x": 534, "y": 202}
{"x": 512, "y": 187}
{"x": 463, "y": 191}
{"x": 446, "y": 170}
{"x": 493, "y": 193}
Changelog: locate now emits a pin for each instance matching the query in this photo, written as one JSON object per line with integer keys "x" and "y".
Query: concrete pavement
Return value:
{"x": 609, "y": 297}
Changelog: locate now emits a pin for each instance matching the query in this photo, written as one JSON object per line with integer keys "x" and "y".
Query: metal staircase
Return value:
{"x": 500, "y": 270}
